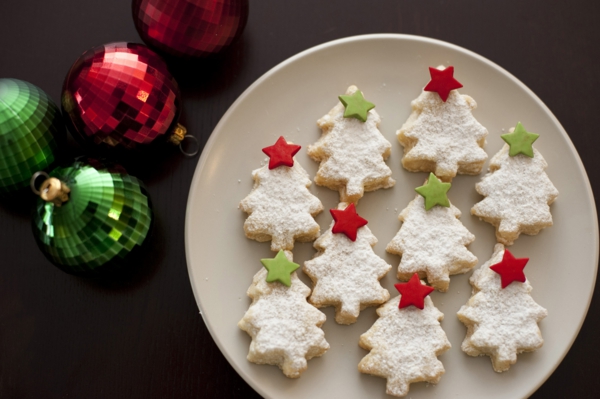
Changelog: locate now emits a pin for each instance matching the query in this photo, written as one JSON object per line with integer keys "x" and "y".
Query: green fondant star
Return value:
{"x": 434, "y": 192}
{"x": 279, "y": 268}
{"x": 520, "y": 141}
{"x": 356, "y": 106}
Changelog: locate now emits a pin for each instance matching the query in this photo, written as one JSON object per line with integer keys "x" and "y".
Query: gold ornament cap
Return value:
{"x": 52, "y": 189}
{"x": 178, "y": 134}
{"x": 55, "y": 191}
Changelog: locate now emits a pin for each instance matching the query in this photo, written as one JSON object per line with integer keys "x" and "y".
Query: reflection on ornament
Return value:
{"x": 120, "y": 95}
{"x": 190, "y": 28}
{"x": 29, "y": 125}
{"x": 105, "y": 215}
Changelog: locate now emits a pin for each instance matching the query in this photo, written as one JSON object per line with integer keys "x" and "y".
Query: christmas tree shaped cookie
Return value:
{"x": 351, "y": 149}
{"x": 501, "y": 317}
{"x": 441, "y": 135}
{"x": 280, "y": 207}
{"x": 346, "y": 271}
{"x": 284, "y": 327}
{"x": 432, "y": 241}
{"x": 517, "y": 190}
{"x": 405, "y": 340}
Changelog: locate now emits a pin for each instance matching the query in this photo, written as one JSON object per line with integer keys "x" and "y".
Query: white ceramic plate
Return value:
{"x": 391, "y": 70}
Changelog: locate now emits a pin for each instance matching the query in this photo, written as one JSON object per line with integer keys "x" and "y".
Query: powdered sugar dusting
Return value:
{"x": 352, "y": 154}
{"x": 443, "y": 137}
{"x": 501, "y": 322}
{"x": 285, "y": 329}
{"x": 281, "y": 208}
{"x": 518, "y": 194}
{"x": 404, "y": 345}
{"x": 432, "y": 243}
{"x": 346, "y": 273}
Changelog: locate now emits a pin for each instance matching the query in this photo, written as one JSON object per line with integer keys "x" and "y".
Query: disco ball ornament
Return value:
{"x": 190, "y": 28}
{"x": 121, "y": 95}
{"x": 30, "y": 122}
{"x": 90, "y": 217}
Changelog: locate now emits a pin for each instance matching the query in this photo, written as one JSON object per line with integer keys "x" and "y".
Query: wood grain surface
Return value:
{"x": 142, "y": 337}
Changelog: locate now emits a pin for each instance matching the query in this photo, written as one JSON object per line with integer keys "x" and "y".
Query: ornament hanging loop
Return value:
{"x": 179, "y": 135}
{"x": 51, "y": 190}
{"x": 195, "y": 146}
{"x": 33, "y": 179}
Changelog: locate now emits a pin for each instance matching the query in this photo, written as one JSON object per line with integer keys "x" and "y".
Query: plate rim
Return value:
{"x": 376, "y": 36}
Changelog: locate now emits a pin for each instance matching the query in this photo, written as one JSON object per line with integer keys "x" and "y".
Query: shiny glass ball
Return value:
{"x": 107, "y": 216}
{"x": 120, "y": 95}
{"x": 30, "y": 122}
{"x": 190, "y": 28}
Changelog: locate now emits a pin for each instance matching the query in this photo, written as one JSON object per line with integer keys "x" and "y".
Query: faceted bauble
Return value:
{"x": 108, "y": 215}
{"x": 29, "y": 124}
{"x": 190, "y": 28}
{"x": 120, "y": 95}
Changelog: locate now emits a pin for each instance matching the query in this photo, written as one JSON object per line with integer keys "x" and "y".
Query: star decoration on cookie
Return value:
{"x": 434, "y": 192}
{"x": 279, "y": 268}
{"x": 510, "y": 268}
{"x": 356, "y": 106}
{"x": 281, "y": 153}
{"x": 520, "y": 141}
{"x": 347, "y": 221}
{"x": 442, "y": 82}
{"x": 413, "y": 292}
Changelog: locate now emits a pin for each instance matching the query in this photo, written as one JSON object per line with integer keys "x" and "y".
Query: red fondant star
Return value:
{"x": 510, "y": 268}
{"x": 442, "y": 82}
{"x": 347, "y": 221}
{"x": 281, "y": 153}
{"x": 413, "y": 292}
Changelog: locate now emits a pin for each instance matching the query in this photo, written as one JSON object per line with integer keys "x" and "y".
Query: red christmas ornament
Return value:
{"x": 442, "y": 82}
{"x": 347, "y": 221}
{"x": 281, "y": 153}
{"x": 190, "y": 28}
{"x": 510, "y": 268}
{"x": 413, "y": 292}
{"x": 121, "y": 95}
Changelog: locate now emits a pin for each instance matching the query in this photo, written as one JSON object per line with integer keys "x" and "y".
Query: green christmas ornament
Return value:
{"x": 29, "y": 123}
{"x": 90, "y": 216}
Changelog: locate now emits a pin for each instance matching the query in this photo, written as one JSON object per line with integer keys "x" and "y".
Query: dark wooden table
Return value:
{"x": 66, "y": 337}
